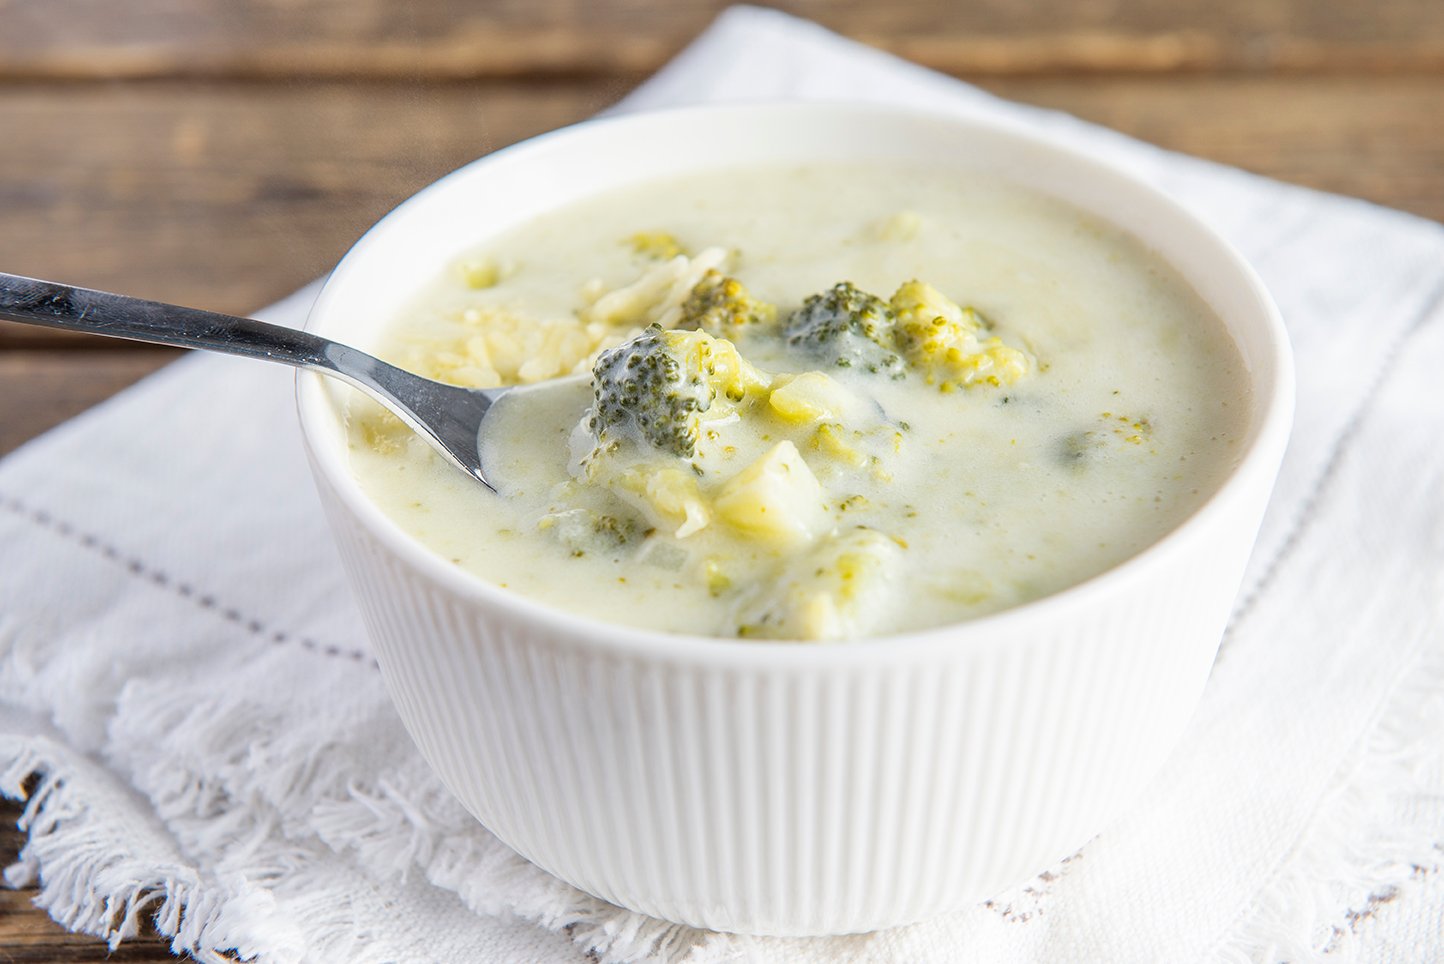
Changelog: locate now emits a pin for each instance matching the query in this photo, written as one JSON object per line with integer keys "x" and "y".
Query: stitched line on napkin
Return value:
{"x": 1308, "y": 511}
{"x": 142, "y": 570}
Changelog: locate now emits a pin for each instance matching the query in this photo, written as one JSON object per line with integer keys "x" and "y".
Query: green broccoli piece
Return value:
{"x": 1077, "y": 448}
{"x": 655, "y": 245}
{"x": 847, "y": 327}
{"x": 582, "y": 530}
{"x": 719, "y": 304}
{"x": 656, "y": 387}
{"x": 614, "y": 530}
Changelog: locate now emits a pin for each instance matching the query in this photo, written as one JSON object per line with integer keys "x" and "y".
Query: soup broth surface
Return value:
{"x": 1103, "y": 404}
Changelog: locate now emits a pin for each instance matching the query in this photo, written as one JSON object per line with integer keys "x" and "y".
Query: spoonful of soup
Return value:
{"x": 448, "y": 417}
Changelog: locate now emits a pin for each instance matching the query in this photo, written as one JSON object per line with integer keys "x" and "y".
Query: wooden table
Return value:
{"x": 221, "y": 153}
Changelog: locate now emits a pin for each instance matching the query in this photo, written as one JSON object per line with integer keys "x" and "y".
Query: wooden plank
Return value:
{"x": 512, "y": 38}
{"x": 1377, "y": 139}
{"x": 29, "y": 936}
{"x": 41, "y": 389}
{"x": 229, "y": 196}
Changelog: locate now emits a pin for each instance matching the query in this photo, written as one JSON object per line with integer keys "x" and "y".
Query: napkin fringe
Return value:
{"x": 308, "y": 788}
{"x": 1359, "y": 852}
{"x": 392, "y": 834}
{"x": 90, "y": 886}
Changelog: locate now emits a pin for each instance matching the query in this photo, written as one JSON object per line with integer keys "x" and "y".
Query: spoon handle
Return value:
{"x": 46, "y": 303}
{"x": 448, "y": 416}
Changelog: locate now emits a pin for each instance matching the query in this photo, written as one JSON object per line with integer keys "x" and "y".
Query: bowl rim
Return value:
{"x": 1271, "y": 419}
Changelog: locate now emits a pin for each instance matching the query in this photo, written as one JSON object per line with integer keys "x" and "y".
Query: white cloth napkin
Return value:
{"x": 185, "y": 683}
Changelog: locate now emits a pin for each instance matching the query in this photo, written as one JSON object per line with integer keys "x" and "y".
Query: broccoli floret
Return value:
{"x": 585, "y": 531}
{"x": 1077, "y": 448}
{"x": 643, "y": 384}
{"x": 848, "y": 328}
{"x": 657, "y": 245}
{"x": 948, "y": 342}
{"x": 1105, "y": 441}
{"x": 840, "y": 588}
{"x": 657, "y": 386}
{"x": 920, "y": 308}
{"x": 614, "y": 530}
{"x": 720, "y": 305}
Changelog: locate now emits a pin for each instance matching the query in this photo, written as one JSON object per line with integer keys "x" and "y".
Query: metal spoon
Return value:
{"x": 446, "y": 416}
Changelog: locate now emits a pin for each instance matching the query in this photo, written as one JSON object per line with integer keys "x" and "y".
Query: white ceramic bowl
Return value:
{"x": 793, "y": 788}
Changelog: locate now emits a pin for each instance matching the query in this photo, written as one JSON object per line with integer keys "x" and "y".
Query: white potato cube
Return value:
{"x": 776, "y": 498}
{"x": 812, "y": 397}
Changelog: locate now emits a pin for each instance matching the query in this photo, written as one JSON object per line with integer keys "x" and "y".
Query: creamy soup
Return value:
{"x": 811, "y": 403}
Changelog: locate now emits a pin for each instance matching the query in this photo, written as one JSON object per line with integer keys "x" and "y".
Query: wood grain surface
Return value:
{"x": 527, "y": 38}
{"x": 222, "y": 153}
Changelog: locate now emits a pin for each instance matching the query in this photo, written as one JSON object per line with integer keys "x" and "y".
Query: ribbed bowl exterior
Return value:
{"x": 796, "y": 797}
